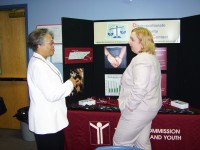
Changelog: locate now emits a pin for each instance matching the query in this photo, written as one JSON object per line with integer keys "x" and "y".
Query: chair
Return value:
{"x": 117, "y": 148}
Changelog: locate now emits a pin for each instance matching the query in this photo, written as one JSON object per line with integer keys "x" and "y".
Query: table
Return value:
{"x": 90, "y": 129}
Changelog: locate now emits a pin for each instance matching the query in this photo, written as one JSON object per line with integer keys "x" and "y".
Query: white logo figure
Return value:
{"x": 99, "y": 129}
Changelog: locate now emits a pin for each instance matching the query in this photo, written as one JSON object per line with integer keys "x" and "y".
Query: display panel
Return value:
{"x": 78, "y": 55}
{"x": 112, "y": 84}
{"x": 110, "y": 33}
{"x": 116, "y": 32}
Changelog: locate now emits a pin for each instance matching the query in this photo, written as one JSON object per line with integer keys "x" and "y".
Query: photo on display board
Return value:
{"x": 112, "y": 84}
{"x": 161, "y": 54}
{"x": 115, "y": 56}
{"x": 164, "y": 84}
{"x": 78, "y": 75}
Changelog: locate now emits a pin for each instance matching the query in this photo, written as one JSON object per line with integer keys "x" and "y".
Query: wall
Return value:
{"x": 49, "y": 11}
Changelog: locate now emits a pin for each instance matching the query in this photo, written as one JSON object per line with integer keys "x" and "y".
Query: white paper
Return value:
{"x": 56, "y": 29}
{"x": 112, "y": 84}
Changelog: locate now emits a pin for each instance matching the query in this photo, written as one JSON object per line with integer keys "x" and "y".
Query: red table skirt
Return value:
{"x": 90, "y": 129}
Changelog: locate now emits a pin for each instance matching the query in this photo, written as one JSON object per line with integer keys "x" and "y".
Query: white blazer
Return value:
{"x": 48, "y": 111}
{"x": 141, "y": 84}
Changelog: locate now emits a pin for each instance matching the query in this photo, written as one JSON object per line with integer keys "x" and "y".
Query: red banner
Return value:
{"x": 78, "y": 55}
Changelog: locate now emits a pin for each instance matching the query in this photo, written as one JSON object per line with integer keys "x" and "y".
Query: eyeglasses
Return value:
{"x": 51, "y": 42}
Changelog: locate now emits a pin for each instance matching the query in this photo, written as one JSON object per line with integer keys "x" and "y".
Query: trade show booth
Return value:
{"x": 85, "y": 43}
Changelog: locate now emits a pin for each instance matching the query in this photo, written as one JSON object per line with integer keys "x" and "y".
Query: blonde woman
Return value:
{"x": 140, "y": 96}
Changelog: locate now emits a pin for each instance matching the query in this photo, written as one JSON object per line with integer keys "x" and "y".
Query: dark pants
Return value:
{"x": 54, "y": 141}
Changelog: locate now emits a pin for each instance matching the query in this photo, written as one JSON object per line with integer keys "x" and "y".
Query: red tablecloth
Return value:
{"x": 90, "y": 129}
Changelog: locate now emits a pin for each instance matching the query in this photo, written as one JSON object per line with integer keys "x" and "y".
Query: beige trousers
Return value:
{"x": 133, "y": 129}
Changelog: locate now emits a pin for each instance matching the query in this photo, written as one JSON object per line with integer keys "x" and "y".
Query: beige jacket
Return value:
{"x": 141, "y": 84}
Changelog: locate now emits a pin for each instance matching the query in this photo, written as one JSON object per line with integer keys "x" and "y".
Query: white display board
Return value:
{"x": 118, "y": 32}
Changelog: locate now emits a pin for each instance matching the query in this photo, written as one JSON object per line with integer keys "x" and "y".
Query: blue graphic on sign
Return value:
{"x": 116, "y": 31}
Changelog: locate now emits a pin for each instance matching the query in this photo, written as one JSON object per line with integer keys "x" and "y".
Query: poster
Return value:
{"x": 56, "y": 29}
{"x": 161, "y": 54}
{"x": 78, "y": 55}
{"x": 118, "y": 32}
{"x": 115, "y": 56}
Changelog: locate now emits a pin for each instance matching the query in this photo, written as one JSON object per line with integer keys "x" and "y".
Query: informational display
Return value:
{"x": 99, "y": 54}
{"x": 161, "y": 54}
{"x": 78, "y": 55}
{"x": 56, "y": 29}
{"x": 112, "y": 84}
{"x": 115, "y": 32}
{"x": 115, "y": 57}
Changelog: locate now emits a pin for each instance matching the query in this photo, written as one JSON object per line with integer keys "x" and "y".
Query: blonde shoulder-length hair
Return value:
{"x": 146, "y": 39}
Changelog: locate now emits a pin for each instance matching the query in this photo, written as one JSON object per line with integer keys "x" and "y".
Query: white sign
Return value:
{"x": 118, "y": 32}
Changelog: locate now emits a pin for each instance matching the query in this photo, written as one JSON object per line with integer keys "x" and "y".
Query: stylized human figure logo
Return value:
{"x": 99, "y": 128}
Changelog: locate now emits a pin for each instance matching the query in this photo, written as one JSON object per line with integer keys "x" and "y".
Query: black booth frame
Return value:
{"x": 182, "y": 59}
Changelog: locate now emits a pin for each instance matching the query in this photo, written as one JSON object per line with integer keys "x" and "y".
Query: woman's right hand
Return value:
{"x": 73, "y": 81}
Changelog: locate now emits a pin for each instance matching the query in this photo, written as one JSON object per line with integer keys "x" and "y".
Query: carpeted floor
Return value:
{"x": 11, "y": 139}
